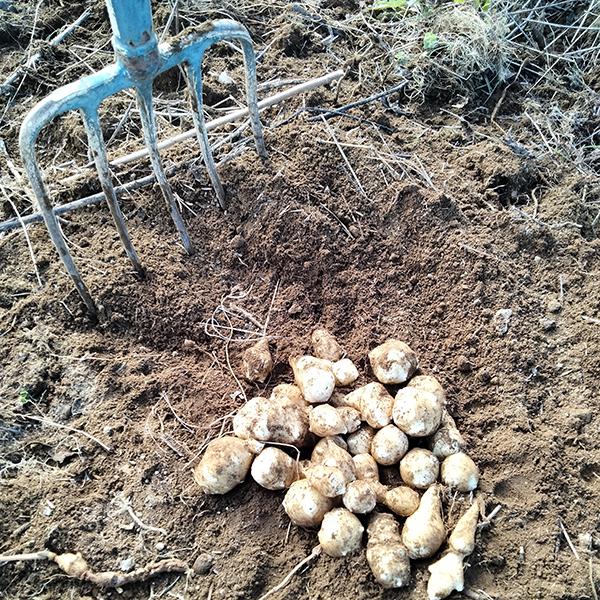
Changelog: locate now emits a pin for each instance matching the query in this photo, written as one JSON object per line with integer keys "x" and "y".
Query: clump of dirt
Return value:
{"x": 438, "y": 227}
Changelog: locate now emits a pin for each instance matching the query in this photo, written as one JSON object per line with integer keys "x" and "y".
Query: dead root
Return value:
{"x": 75, "y": 566}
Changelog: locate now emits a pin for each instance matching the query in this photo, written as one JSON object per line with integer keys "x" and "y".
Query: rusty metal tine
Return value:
{"x": 98, "y": 147}
{"x": 195, "y": 77}
{"x": 144, "y": 100}
{"x": 27, "y": 137}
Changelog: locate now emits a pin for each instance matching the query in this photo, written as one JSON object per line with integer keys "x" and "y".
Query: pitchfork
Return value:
{"x": 139, "y": 58}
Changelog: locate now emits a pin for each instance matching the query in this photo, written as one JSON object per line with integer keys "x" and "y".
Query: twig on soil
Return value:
{"x": 487, "y": 521}
{"x": 126, "y": 507}
{"x": 75, "y": 566}
{"x": 268, "y": 317}
{"x": 45, "y": 421}
{"x": 316, "y": 551}
{"x": 476, "y": 595}
{"x": 568, "y": 539}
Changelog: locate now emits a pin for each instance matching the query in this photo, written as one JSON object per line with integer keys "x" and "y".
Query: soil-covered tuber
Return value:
{"x": 365, "y": 467}
{"x": 304, "y": 505}
{"x": 257, "y": 362}
{"x": 359, "y": 442}
{"x": 386, "y": 555}
{"x": 314, "y": 377}
{"x": 326, "y": 420}
{"x": 419, "y": 468}
{"x": 325, "y": 345}
{"x": 402, "y": 500}
{"x": 424, "y": 532}
{"x": 462, "y": 538}
{"x": 460, "y": 472}
{"x": 393, "y": 362}
{"x": 417, "y": 412}
{"x": 447, "y": 439}
{"x": 344, "y": 371}
{"x": 328, "y": 480}
{"x": 389, "y": 445}
{"x": 329, "y": 453}
{"x": 273, "y": 469}
{"x": 341, "y": 533}
{"x": 446, "y": 576}
{"x": 360, "y": 498}
{"x": 225, "y": 464}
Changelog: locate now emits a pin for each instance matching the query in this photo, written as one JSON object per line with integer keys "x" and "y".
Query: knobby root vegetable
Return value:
{"x": 344, "y": 371}
{"x": 446, "y": 576}
{"x": 325, "y": 345}
{"x": 273, "y": 469}
{"x": 417, "y": 412}
{"x": 424, "y": 532}
{"x": 376, "y": 405}
{"x": 326, "y": 420}
{"x": 447, "y": 439}
{"x": 304, "y": 505}
{"x": 365, "y": 467}
{"x": 329, "y": 481}
{"x": 460, "y": 472}
{"x": 360, "y": 497}
{"x": 389, "y": 445}
{"x": 314, "y": 377}
{"x": 351, "y": 399}
{"x": 402, "y": 500}
{"x": 283, "y": 418}
{"x": 359, "y": 442}
{"x": 225, "y": 464}
{"x": 257, "y": 362}
{"x": 419, "y": 468}
{"x": 462, "y": 538}
{"x": 341, "y": 533}
{"x": 428, "y": 383}
{"x": 393, "y": 362}
{"x": 327, "y": 452}
{"x": 386, "y": 555}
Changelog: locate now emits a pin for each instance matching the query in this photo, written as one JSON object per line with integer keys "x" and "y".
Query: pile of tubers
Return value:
{"x": 349, "y": 436}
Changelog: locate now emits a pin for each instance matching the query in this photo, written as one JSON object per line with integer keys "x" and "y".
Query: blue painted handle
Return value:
{"x": 131, "y": 22}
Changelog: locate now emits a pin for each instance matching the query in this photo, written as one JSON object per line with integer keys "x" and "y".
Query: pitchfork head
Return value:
{"x": 139, "y": 60}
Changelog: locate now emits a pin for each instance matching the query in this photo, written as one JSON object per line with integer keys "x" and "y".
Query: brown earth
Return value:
{"x": 451, "y": 226}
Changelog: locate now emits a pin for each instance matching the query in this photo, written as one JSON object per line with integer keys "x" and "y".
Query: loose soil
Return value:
{"x": 447, "y": 225}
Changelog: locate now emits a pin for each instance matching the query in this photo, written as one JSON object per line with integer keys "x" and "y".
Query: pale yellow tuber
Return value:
{"x": 402, "y": 500}
{"x": 419, "y": 468}
{"x": 341, "y": 533}
{"x": 257, "y": 362}
{"x": 393, "y": 362}
{"x": 446, "y": 576}
{"x": 386, "y": 555}
{"x": 365, "y": 467}
{"x": 462, "y": 538}
{"x": 350, "y": 417}
{"x": 460, "y": 472}
{"x": 225, "y": 464}
{"x": 359, "y": 442}
{"x": 314, "y": 377}
{"x": 424, "y": 532}
{"x": 327, "y": 452}
{"x": 389, "y": 445}
{"x": 447, "y": 439}
{"x": 326, "y": 420}
{"x": 328, "y": 480}
{"x": 417, "y": 412}
{"x": 273, "y": 469}
{"x": 344, "y": 371}
{"x": 281, "y": 418}
{"x": 325, "y": 345}
{"x": 352, "y": 399}
{"x": 428, "y": 383}
{"x": 360, "y": 497}
{"x": 376, "y": 405}
{"x": 304, "y": 505}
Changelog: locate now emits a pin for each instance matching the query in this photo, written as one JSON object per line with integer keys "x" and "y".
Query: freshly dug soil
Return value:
{"x": 435, "y": 231}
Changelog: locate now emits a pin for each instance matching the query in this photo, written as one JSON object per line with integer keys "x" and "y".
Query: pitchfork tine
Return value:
{"x": 144, "y": 100}
{"x": 98, "y": 148}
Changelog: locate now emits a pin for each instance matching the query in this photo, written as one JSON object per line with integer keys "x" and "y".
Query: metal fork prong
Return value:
{"x": 27, "y": 140}
{"x": 252, "y": 97}
{"x": 195, "y": 76}
{"x": 91, "y": 122}
{"x": 144, "y": 100}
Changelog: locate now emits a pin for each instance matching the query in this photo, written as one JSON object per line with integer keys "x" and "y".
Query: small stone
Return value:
{"x": 238, "y": 243}
{"x": 294, "y": 310}
{"x": 554, "y": 306}
{"x": 188, "y": 344}
{"x": 127, "y": 564}
{"x": 355, "y": 231}
{"x": 485, "y": 376}
{"x": 203, "y": 564}
{"x": 502, "y": 320}
{"x": 160, "y": 546}
{"x": 464, "y": 366}
{"x": 225, "y": 78}
{"x": 547, "y": 324}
